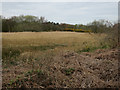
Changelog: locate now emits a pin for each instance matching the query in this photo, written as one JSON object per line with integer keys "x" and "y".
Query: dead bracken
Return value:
{"x": 87, "y": 72}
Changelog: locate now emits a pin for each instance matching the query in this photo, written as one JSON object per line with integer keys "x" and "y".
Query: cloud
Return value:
{"x": 60, "y": 0}
{"x": 69, "y": 12}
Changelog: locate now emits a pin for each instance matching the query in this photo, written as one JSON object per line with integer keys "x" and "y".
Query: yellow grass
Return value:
{"x": 71, "y": 40}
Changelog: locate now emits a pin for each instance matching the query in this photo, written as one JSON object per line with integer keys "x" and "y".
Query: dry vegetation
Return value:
{"x": 58, "y": 59}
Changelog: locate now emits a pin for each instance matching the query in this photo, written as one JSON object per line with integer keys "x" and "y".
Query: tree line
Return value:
{"x": 35, "y": 24}
{"x": 28, "y": 23}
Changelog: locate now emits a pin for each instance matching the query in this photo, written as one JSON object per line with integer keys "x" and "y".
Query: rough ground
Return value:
{"x": 97, "y": 69}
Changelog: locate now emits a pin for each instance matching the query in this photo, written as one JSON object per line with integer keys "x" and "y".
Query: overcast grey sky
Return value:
{"x": 64, "y": 12}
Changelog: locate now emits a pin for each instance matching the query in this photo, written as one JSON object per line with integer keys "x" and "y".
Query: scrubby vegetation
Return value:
{"x": 56, "y": 59}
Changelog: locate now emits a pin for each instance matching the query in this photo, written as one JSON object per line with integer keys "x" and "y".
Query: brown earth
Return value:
{"x": 68, "y": 69}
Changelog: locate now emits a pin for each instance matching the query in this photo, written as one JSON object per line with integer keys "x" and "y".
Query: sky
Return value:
{"x": 119, "y": 12}
{"x": 64, "y": 12}
{"x": 60, "y": 0}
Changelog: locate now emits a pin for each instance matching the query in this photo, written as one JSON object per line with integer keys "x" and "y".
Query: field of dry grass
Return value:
{"x": 55, "y": 59}
{"x": 69, "y": 40}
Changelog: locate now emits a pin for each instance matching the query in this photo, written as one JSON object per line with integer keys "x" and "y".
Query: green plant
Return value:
{"x": 69, "y": 71}
{"x": 29, "y": 73}
{"x": 39, "y": 72}
{"x": 11, "y": 82}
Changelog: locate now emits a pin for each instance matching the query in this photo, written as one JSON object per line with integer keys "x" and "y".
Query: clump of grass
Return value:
{"x": 11, "y": 82}
{"x": 13, "y": 62}
{"x": 69, "y": 71}
{"x": 92, "y": 49}
{"x": 46, "y": 47}
{"x": 29, "y": 73}
{"x": 10, "y": 52}
{"x": 38, "y": 72}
